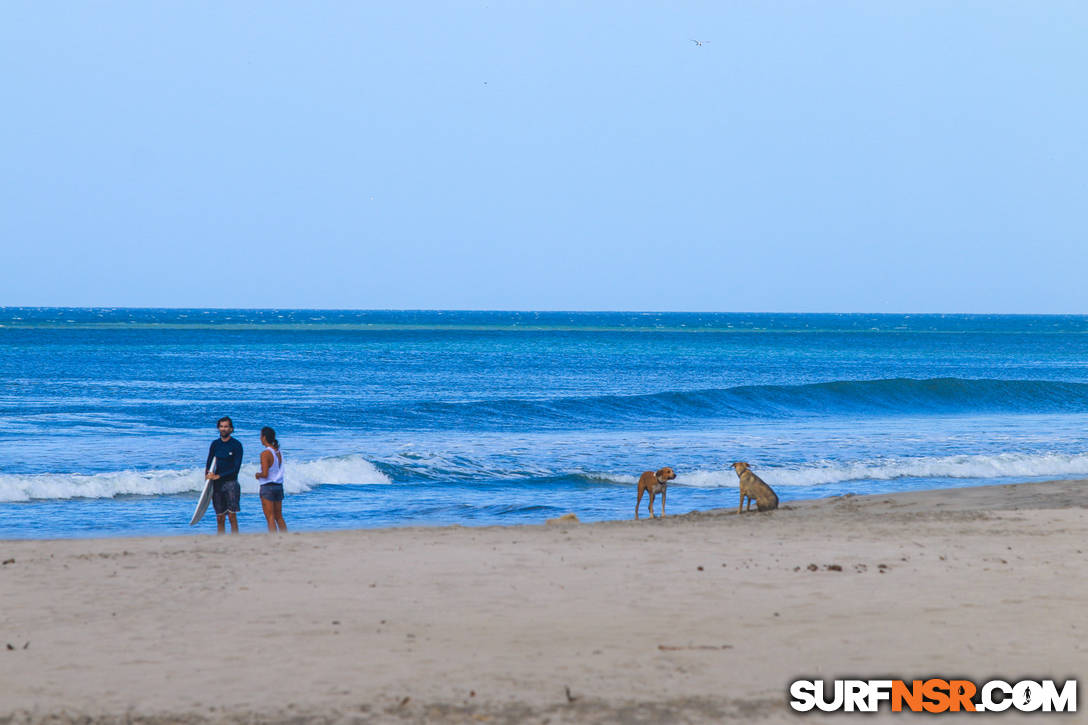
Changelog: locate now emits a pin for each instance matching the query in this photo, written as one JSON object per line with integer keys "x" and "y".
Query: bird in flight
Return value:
{"x": 700, "y": 43}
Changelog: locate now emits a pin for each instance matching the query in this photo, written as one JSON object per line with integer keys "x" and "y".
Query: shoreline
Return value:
{"x": 699, "y": 617}
{"x": 791, "y": 504}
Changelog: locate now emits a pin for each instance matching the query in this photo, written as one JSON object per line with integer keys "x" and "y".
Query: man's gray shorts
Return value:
{"x": 225, "y": 496}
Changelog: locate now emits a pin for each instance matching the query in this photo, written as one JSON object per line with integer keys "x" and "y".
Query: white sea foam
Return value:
{"x": 611, "y": 477}
{"x": 298, "y": 477}
{"x": 1005, "y": 465}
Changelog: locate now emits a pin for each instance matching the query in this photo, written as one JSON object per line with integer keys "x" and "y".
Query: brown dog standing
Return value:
{"x": 655, "y": 483}
{"x": 754, "y": 488}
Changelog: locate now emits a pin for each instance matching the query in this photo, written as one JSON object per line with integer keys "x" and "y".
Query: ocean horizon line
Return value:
{"x": 512, "y": 310}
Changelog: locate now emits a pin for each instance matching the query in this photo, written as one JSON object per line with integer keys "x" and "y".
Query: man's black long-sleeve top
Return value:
{"x": 228, "y": 459}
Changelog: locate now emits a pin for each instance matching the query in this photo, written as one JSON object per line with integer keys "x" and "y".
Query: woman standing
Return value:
{"x": 271, "y": 479}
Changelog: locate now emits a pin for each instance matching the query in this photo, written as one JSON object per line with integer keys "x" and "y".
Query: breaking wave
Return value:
{"x": 899, "y": 396}
{"x": 1019, "y": 466}
{"x": 299, "y": 477}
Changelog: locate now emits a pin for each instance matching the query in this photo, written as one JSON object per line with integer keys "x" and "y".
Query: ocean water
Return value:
{"x": 424, "y": 418}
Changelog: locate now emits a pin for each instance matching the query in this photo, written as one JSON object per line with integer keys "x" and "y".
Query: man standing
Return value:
{"x": 227, "y": 454}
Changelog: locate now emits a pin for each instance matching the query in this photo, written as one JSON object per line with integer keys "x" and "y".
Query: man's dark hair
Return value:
{"x": 224, "y": 418}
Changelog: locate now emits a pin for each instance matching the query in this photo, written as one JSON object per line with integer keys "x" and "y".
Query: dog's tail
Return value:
{"x": 768, "y": 501}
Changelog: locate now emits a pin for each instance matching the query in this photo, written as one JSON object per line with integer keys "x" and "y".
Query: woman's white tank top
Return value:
{"x": 275, "y": 471}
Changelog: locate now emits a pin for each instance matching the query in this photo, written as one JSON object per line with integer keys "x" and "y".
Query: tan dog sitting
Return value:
{"x": 754, "y": 488}
{"x": 655, "y": 483}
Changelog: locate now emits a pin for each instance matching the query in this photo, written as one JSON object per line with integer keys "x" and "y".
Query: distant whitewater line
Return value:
{"x": 355, "y": 469}
{"x": 300, "y": 477}
{"x": 91, "y": 318}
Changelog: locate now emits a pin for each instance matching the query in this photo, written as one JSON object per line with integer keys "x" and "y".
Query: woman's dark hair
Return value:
{"x": 270, "y": 435}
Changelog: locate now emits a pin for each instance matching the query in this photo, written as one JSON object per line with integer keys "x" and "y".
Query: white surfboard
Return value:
{"x": 205, "y": 499}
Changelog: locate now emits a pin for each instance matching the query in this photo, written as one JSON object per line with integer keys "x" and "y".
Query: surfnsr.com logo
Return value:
{"x": 933, "y": 695}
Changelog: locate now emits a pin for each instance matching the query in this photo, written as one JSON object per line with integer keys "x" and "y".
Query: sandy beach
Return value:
{"x": 705, "y": 617}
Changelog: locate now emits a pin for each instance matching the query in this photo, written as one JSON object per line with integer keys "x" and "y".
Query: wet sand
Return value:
{"x": 705, "y": 617}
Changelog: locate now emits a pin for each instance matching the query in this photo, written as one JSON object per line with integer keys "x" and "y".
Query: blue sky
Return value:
{"x": 838, "y": 156}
